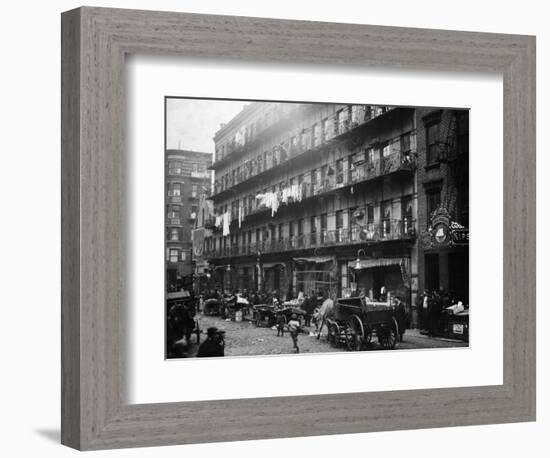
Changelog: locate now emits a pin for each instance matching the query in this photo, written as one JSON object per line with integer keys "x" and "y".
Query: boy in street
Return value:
{"x": 294, "y": 328}
{"x": 281, "y": 325}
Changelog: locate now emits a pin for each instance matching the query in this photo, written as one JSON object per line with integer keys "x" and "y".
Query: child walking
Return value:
{"x": 281, "y": 322}
{"x": 295, "y": 329}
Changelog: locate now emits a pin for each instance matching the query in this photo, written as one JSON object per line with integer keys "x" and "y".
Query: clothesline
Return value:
{"x": 269, "y": 199}
{"x": 274, "y": 199}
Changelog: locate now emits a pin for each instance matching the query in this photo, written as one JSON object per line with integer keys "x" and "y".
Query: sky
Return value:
{"x": 192, "y": 123}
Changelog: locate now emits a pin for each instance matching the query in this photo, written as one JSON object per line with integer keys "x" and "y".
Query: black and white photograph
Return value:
{"x": 314, "y": 227}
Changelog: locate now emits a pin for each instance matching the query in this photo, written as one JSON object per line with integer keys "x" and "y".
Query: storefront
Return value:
{"x": 316, "y": 273}
{"x": 379, "y": 278}
{"x": 446, "y": 256}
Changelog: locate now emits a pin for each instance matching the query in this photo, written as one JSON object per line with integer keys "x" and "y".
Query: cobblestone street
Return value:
{"x": 244, "y": 338}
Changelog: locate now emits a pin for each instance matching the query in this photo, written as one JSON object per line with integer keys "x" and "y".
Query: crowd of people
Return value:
{"x": 433, "y": 305}
{"x": 311, "y": 309}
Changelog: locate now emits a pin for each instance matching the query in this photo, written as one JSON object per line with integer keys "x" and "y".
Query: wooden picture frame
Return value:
{"x": 95, "y": 413}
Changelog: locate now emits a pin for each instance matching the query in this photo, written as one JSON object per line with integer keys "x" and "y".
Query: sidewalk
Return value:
{"x": 417, "y": 333}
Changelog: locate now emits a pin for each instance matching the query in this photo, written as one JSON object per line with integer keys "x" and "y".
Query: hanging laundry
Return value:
{"x": 219, "y": 221}
{"x": 269, "y": 200}
{"x": 240, "y": 215}
{"x": 226, "y": 223}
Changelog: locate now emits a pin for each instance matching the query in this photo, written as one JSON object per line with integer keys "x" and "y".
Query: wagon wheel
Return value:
{"x": 355, "y": 333}
{"x": 333, "y": 336}
{"x": 388, "y": 335}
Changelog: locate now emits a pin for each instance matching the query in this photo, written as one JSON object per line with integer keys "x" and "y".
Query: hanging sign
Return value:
{"x": 443, "y": 232}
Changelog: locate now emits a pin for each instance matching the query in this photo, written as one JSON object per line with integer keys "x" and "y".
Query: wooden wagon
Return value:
{"x": 353, "y": 324}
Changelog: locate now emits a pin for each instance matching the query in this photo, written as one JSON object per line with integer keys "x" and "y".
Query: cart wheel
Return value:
{"x": 354, "y": 333}
{"x": 387, "y": 336}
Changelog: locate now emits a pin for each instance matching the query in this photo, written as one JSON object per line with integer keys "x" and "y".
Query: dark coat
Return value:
{"x": 210, "y": 348}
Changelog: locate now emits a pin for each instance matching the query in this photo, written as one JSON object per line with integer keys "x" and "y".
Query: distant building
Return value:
{"x": 203, "y": 230}
{"x": 187, "y": 178}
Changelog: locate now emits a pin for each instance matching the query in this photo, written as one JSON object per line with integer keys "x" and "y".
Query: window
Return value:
{"x": 343, "y": 120}
{"x": 174, "y": 235}
{"x": 174, "y": 211}
{"x": 174, "y": 168}
{"x": 407, "y": 213}
{"x": 432, "y": 145}
{"x": 340, "y": 171}
{"x": 406, "y": 142}
{"x": 323, "y": 227}
{"x": 184, "y": 255}
{"x": 324, "y": 170}
{"x": 357, "y": 114}
{"x": 281, "y": 232}
{"x": 313, "y": 230}
{"x": 433, "y": 200}
{"x": 175, "y": 189}
{"x": 173, "y": 255}
{"x": 386, "y": 149}
{"x": 194, "y": 191}
{"x": 370, "y": 214}
{"x": 327, "y": 134}
{"x": 339, "y": 225}
{"x": 386, "y": 218}
{"x": 317, "y": 134}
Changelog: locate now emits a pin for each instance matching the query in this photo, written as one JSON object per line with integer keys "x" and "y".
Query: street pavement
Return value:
{"x": 244, "y": 339}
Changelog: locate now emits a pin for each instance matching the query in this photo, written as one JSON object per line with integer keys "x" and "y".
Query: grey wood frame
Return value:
{"x": 95, "y": 413}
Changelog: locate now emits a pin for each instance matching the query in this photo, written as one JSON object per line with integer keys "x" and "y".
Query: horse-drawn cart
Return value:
{"x": 266, "y": 315}
{"x": 212, "y": 307}
{"x": 354, "y": 322}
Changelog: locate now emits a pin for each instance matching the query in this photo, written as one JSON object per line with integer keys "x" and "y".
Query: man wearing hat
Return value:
{"x": 213, "y": 345}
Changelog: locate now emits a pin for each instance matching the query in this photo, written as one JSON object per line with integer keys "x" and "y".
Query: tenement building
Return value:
{"x": 187, "y": 178}
{"x": 334, "y": 199}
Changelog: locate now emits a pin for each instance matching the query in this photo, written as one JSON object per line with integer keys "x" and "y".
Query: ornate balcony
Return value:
{"x": 371, "y": 233}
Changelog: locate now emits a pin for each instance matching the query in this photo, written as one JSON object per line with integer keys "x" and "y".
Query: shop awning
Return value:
{"x": 376, "y": 262}
{"x": 315, "y": 259}
{"x": 272, "y": 265}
